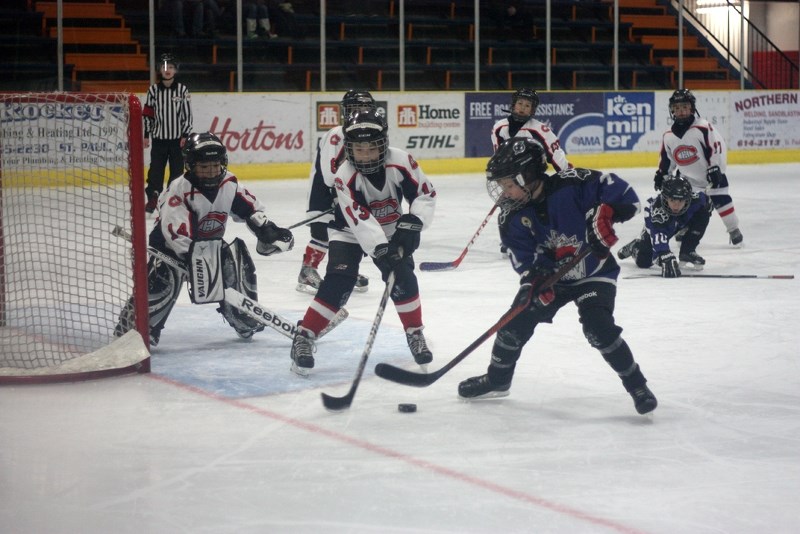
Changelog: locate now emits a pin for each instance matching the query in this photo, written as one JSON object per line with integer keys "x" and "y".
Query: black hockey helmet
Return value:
{"x": 528, "y": 94}
{"x": 355, "y": 100}
{"x": 200, "y": 148}
{"x": 366, "y": 127}
{"x": 682, "y": 96}
{"x": 676, "y": 188}
{"x": 522, "y": 160}
{"x": 167, "y": 59}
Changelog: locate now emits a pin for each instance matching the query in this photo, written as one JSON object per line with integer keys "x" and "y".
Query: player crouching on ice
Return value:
{"x": 193, "y": 213}
{"x": 370, "y": 186}
{"x": 550, "y": 220}
{"x": 676, "y": 210}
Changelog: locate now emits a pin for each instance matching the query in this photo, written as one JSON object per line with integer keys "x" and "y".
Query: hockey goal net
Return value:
{"x": 71, "y": 170}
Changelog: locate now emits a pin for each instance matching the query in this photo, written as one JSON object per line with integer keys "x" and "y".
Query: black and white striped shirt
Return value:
{"x": 167, "y": 111}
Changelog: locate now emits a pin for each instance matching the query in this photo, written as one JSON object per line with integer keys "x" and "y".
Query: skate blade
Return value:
{"x": 299, "y": 371}
{"x": 362, "y": 289}
{"x": 487, "y": 396}
{"x": 305, "y": 288}
{"x": 691, "y": 266}
{"x": 423, "y": 367}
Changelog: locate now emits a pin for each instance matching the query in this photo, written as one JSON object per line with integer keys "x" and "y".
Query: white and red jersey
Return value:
{"x": 330, "y": 155}
{"x": 186, "y": 214}
{"x": 692, "y": 153}
{"x": 501, "y": 131}
{"x": 368, "y": 209}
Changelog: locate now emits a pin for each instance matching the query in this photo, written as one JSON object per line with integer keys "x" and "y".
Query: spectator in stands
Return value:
{"x": 511, "y": 20}
{"x": 212, "y": 13}
{"x": 257, "y": 21}
{"x": 178, "y": 11}
{"x": 283, "y": 19}
{"x": 168, "y": 122}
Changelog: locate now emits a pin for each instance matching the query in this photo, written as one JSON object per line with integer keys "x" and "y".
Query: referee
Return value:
{"x": 167, "y": 121}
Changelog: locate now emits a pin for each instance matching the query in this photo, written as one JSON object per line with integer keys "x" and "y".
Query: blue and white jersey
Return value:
{"x": 662, "y": 225}
{"x": 553, "y": 229}
{"x": 368, "y": 209}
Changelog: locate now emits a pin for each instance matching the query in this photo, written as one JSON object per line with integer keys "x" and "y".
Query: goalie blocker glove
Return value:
{"x": 271, "y": 238}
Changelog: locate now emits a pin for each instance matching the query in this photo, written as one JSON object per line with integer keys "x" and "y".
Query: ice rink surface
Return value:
{"x": 222, "y": 438}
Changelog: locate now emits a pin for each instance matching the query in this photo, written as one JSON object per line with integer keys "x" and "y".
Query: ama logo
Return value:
{"x": 628, "y": 117}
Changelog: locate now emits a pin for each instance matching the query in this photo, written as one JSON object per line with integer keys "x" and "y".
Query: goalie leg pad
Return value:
{"x": 205, "y": 271}
{"x": 239, "y": 273}
{"x": 164, "y": 285}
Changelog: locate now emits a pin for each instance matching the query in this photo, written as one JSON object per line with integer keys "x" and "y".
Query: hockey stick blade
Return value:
{"x": 450, "y": 265}
{"x": 706, "y": 275}
{"x": 337, "y": 404}
{"x": 410, "y": 378}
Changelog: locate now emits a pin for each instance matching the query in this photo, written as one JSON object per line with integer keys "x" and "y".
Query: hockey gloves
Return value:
{"x": 406, "y": 233}
{"x": 599, "y": 230}
{"x": 658, "y": 180}
{"x": 530, "y": 283}
{"x": 669, "y": 265}
{"x": 388, "y": 258}
{"x": 714, "y": 176}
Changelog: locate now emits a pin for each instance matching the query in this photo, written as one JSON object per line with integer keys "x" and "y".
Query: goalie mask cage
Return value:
{"x": 71, "y": 170}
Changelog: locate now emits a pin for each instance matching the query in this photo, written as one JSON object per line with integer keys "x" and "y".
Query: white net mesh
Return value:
{"x": 65, "y": 183}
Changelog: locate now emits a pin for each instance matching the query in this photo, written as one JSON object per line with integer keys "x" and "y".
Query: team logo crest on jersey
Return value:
{"x": 212, "y": 226}
{"x": 564, "y": 248}
{"x": 412, "y": 162}
{"x": 385, "y": 211}
{"x": 338, "y": 184}
{"x": 174, "y": 201}
{"x": 685, "y": 155}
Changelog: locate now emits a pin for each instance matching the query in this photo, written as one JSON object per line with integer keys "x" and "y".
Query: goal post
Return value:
{"x": 71, "y": 170}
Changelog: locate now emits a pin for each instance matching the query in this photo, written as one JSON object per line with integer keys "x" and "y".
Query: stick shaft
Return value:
{"x": 697, "y": 275}
{"x": 446, "y": 266}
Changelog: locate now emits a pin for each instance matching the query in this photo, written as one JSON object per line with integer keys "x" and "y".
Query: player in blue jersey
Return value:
{"x": 676, "y": 209}
{"x": 552, "y": 218}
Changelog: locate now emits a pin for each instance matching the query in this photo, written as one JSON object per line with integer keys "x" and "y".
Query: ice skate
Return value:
{"x": 643, "y": 399}
{"x": 481, "y": 387}
{"x": 309, "y": 280}
{"x": 362, "y": 284}
{"x": 419, "y": 348}
{"x": 736, "y": 237}
{"x": 303, "y": 348}
{"x": 631, "y": 249}
{"x": 693, "y": 258}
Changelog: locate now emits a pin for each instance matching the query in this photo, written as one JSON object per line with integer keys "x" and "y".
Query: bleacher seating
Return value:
{"x": 106, "y": 49}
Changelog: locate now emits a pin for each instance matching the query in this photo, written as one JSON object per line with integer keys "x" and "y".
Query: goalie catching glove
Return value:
{"x": 531, "y": 281}
{"x": 600, "y": 229}
{"x": 271, "y": 238}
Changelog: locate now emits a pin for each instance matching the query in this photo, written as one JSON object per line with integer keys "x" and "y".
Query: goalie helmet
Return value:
{"x": 515, "y": 170}
{"x": 676, "y": 188}
{"x": 205, "y": 148}
{"x": 682, "y": 96}
{"x": 524, "y": 93}
{"x": 354, "y": 100}
{"x": 366, "y": 140}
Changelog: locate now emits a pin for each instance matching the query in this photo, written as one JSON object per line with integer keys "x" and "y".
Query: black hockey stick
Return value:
{"x": 691, "y": 275}
{"x": 410, "y": 378}
{"x": 449, "y": 265}
{"x": 314, "y": 218}
{"x": 342, "y": 403}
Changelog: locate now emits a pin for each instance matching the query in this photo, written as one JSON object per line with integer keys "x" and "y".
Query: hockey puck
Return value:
{"x": 407, "y": 408}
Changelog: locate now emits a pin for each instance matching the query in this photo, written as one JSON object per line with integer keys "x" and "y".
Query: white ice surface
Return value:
{"x": 221, "y": 437}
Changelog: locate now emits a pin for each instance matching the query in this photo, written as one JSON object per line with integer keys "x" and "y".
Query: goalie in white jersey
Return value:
{"x": 370, "y": 186}
{"x": 693, "y": 149}
{"x": 193, "y": 213}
